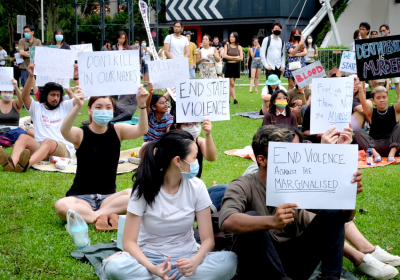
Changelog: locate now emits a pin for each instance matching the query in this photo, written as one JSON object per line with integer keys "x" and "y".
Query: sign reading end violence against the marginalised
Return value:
{"x": 109, "y": 73}
{"x": 307, "y": 174}
{"x": 6, "y": 76}
{"x": 305, "y": 75}
{"x": 331, "y": 104}
{"x": 378, "y": 58}
{"x": 166, "y": 73}
{"x": 202, "y": 98}
{"x": 348, "y": 62}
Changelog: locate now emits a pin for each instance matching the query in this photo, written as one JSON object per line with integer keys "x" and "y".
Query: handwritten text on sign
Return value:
{"x": 32, "y": 51}
{"x": 6, "y": 76}
{"x": 331, "y": 104}
{"x": 41, "y": 81}
{"x": 307, "y": 174}
{"x": 348, "y": 62}
{"x": 54, "y": 62}
{"x": 166, "y": 73}
{"x": 199, "y": 99}
{"x": 81, "y": 48}
{"x": 109, "y": 73}
{"x": 304, "y": 76}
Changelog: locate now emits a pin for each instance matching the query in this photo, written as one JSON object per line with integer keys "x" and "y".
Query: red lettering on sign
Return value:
{"x": 299, "y": 79}
{"x": 319, "y": 69}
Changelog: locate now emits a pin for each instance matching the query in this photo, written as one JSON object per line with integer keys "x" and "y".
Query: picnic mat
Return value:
{"x": 252, "y": 115}
{"x": 247, "y": 152}
{"x": 122, "y": 168}
{"x": 362, "y": 161}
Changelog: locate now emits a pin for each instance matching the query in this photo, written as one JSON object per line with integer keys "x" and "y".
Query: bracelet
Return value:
{"x": 144, "y": 107}
{"x": 76, "y": 78}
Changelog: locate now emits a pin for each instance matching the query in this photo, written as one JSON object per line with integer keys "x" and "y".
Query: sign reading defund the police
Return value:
{"x": 314, "y": 176}
{"x": 378, "y": 58}
{"x": 199, "y": 99}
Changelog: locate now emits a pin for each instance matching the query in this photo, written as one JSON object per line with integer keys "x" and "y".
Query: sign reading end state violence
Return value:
{"x": 200, "y": 99}
{"x": 307, "y": 174}
{"x": 305, "y": 75}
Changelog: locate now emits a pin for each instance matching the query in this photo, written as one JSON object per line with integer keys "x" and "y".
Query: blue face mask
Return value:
{"x": 27, "y": 36}
{"x": 143, "y": 44}
{"x": 194, "y": 170}
{"x": 59, "y": 38}
{"x": 102, "y": 117}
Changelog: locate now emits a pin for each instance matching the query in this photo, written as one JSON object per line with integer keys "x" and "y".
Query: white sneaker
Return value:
{"x": 385, "y": 257}
{"x": 376, "y": 269}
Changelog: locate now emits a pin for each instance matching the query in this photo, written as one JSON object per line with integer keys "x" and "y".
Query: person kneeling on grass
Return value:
{"x": 93, "y": 193}
{"x": 47, "y": 117}
{"x": 272, "y": 237}
{"x": 279, "y": 111}
{"x": 384, "y": 136}
{"x": 158, "y": 237}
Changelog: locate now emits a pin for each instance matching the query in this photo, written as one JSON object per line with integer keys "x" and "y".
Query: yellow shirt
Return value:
{"x": 193, "y": 51}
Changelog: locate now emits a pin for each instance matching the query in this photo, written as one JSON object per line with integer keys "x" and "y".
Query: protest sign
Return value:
{"x": 109, "y": 73}
{"x": 305, "y": 75}
{"x": 41, "y": 81}
{"x": 166, "y": 73}
{"x": 378, "y": 58}
{"x": 32, "y": 51}
{"x": 6, "y": 76}
{"x": 18, "y": 58}
{"x": 307, "y": 174}
{"x": 54, "y": 63}
{"x": 202, "y": 98}
{"x": 331, "y": 104}
{"x": 348, "y": 62}
{"x": 81, "y": 48}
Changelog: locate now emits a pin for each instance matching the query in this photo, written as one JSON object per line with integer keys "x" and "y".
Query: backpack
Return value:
{"x": 269, "y": 43}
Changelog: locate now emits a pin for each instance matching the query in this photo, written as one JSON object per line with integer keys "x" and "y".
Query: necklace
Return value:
{"x": 382, "y": 113}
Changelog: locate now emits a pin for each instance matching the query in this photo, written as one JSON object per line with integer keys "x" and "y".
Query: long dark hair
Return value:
{"x": 59, "y": 30}
{"x": 236, "y": 35}
{"x": 292, "y": 34}
{"x": 272, "y": 106}
{"x": 313, "y": 45}
{"x": 156, "y": 159}
{"x": 125, "y": 45}
{"x": 252, "y": 41}
{"x": 154, "y": 100}
{"x": 46, "y": 90}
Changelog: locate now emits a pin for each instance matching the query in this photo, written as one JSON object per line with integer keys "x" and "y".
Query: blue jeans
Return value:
{"x": 24, "y": 76}
{"x": 216, "y": 194}
{"x": 192, "y": 72}
{"x": 95, "y": 200}
{"x": 215, "y": 266}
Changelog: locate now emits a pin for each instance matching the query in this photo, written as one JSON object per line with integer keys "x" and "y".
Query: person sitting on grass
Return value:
{"x": 270, "y": 237}
{"x": 297, "y": 98}
{"x": 273, "y": 83}
{"x": 47, "y": 115}
{"x": 158, "y": 238}
{"x": 279, "y": 111}
{"x": 384, "y": 135}
{"x": 95, "y": 197}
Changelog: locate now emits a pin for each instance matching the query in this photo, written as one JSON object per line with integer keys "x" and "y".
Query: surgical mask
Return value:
{"x": 277, "y": 32}
{"x": 102, "y": 117}
{"x": 309, "y": 40}
{"x": 137, "y": 45}
{"x": 59, "y": 38}
{"x": 383, "y": 33}
{"x": 193, "y": 130}
{"x": 194, "y": 170}
{"x": 27, "y": 36}
{"x": 281, "y": 104}
{"x": 7, "y": 96}
{"x": 143, "y": 44}
{"x": 16, "y": 48}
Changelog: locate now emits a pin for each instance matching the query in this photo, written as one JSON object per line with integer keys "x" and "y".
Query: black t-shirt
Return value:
{"x": 306, "y": 119}
{"x": 216, "y": 46}
{"x": 382, "y": 124}
{"x": 65, "y": 46}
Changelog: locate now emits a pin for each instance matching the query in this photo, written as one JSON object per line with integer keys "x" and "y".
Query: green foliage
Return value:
{"x": 327, "y": 27}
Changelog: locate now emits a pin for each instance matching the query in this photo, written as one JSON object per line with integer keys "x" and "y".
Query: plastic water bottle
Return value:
{"x": 80, "y": 236}
{"x": 369, "y": 157}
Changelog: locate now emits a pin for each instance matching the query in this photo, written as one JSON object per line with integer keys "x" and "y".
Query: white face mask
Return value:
{"x": 7, "y": 96}
{"x": 137, "y": 45}
{"x": 194, "y": 130}
{"x": 309, "y": 40}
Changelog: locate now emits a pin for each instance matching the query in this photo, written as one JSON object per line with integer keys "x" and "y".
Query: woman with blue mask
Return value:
{"x": 93, "y": 194}
{"x": 158, "y": 238}
{"x": 60, "y": 39}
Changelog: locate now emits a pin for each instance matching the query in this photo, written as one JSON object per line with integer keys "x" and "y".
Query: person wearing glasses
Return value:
{"x": 279, "y": 111}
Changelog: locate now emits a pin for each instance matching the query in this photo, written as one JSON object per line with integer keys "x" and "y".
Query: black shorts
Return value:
{"x": 232, "y": 70}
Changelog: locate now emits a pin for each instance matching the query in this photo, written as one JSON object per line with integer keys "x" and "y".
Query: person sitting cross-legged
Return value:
{"x": 279, "y": 111}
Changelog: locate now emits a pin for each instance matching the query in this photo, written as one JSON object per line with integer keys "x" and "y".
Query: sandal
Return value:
{"x": 23, "y": 162}
{"x": 6, "y": 161}
{"x": 113, "y": 220}
{"x": 102, "y": 223}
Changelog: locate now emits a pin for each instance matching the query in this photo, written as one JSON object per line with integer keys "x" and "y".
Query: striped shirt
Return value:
{"x": 157, "y": 129}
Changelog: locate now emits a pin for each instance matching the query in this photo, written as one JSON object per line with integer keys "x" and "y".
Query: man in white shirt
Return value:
{"x": 176, "y": 45}
{"x": 48, "y": 116}
{"x": 3, "y": 56}
{"x": 273, "y": 52}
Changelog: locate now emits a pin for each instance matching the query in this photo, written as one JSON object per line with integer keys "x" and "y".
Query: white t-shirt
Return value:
{"x": 167, "y": 226}
{"x": 177, "y": 45}
{"x": 265, "y": 89}
{"x": 3, "y": 55}
{"x": 48, "y": 122}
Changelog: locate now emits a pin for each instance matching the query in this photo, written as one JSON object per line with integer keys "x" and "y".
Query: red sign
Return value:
{"x": 153, "y": 34}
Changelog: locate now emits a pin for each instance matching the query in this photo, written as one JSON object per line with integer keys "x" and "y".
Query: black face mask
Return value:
{"x": 276, "y": 32}
{"x": 297, "y": 37}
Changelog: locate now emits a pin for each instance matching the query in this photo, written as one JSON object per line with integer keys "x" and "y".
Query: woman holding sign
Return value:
{"x": 296, "y": 52}
{"x": 60, "y": 40}
{"x": 208, "y": 56}
{"x": 279, "y": 111}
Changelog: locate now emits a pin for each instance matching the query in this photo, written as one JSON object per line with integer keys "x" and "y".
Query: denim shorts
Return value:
{"x": 145, "y": 68}
{"x": 256, "y": 64}
{"x": 95, "y": 200}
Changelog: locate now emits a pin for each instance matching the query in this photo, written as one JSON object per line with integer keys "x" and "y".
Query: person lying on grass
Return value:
{"x": 47, "y": 115}
{"x": 93, "y": 194}
{"x": 158, "y": 237}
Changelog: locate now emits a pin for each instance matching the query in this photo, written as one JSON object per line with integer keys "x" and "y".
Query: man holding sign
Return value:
{"x": 272, "y": 237}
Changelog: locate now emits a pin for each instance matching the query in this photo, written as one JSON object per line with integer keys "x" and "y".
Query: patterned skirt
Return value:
{"x": 208, "y": 71}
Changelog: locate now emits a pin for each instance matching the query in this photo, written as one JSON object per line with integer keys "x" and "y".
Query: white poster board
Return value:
{"x": 109, "y": 73}
{"x": 18, "y": 58}
{"x": 81, "y": 48}
{"x": 348, "y": 62}
{"x": 166, "y": 73}
{"x": 41, "y": 81}
{"x": 305, "y": 75}
{"x": 54, "y": 62}
{"x": 202, "y": 98}
{"x": 32, "y": 51}
{"x": 308, "y": 175}
{"x": 331, "y": 104}
{"x": 6, "y": 76}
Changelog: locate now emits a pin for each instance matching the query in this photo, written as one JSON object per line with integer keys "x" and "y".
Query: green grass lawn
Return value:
{"x": 35, "y": 245}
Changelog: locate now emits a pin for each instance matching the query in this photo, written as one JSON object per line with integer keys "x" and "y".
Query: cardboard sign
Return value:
{"x": 202, "y": 98}
{"x": 348, "y": 62}
{"x": 32, "y": 51}
{"x": 305, "y": 75}
{"x": 166, "y": 73}
{"x": 109, "y": 73}
{"x": 54, "y": 63}
{"x": 331, "y": 104}
{"x": 81, "y": 48}
{"x": 41, "y": 81}
{"x": 6, "y": 76}
{"x": 307, "y": 174}
{"x": 378, "y": 58}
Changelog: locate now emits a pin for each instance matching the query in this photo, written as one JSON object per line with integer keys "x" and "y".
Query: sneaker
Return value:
{"x": 385, "y": 257}
{"x": 390, "y": 159}
{"x": 378, "y": 159}
{"x": 235, "y": 102}
{"x": 376, "y": 269}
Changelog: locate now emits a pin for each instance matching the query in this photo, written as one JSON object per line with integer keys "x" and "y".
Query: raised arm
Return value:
{"x": 70, "y": 133}
{"x": 151, "y": 92}
{"x": 367, "y": 106}
{"x": 19, "y": 102}
{"x": 26, "y": 91}
{"x": 207, "y": 145}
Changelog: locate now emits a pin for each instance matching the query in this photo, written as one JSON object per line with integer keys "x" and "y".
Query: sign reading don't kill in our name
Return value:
{"x": 202, "y": 98}
{"x": 307, "y": 174}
